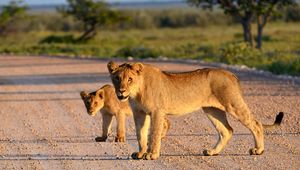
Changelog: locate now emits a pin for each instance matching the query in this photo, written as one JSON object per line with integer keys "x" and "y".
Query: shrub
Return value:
{"x": 287, "y": 64}
{"x": 241, "y": 54}
{"x": 293, "y": 13}
{"x": 136, "y": 52}
{"x": 58, "y": 39}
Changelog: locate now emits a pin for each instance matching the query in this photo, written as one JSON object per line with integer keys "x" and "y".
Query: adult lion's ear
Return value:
{"x": 84, "y": 95}
{"x": 112, "y": 67}
{"x": 138, "y": 67}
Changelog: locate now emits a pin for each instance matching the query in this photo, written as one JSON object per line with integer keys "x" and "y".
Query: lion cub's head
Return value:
{"x": 125, "y": 78}
{"x": 93, "y": 101}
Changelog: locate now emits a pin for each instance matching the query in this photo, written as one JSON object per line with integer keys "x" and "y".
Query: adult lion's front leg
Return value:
{"x": 142, "y": 124}
{"x": 157, "y": 125}
{"x": 121, "y": 126}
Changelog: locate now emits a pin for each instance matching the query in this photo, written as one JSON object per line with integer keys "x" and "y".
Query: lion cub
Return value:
{"x": 105, "y": 100}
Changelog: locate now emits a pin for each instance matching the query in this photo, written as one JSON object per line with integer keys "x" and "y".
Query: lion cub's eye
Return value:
{"x": 129, "y": 80}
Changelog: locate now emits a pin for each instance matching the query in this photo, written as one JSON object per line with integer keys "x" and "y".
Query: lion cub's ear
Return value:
{"x": 100, "y": 93}
{"x": 84, "y": 95}
{"x": 112, "y": 67}
{"x": 138, "y": 67}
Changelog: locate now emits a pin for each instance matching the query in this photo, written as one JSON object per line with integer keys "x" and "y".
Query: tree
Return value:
{"x": 264, "y": 10}
{"x": 92, "y": 14}
{"x": 246, "y": 11}
{"x": 9, "y": 14}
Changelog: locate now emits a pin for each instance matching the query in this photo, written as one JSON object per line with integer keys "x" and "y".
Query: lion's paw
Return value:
{"x": 137, "y": 155}
{"x": 120, "y": 139}
{"x": 150, "y": 156}
{"x": 101, "y": 138}
{"x": 209, "y": 153}
{"x": 255, "y": 151}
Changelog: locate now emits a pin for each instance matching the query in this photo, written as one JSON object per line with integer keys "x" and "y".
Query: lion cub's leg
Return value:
{"x": 142, "y": 124}
{"x": 243, "y": 114}
{"x": 106, "y": 127}
{"x": 121, "y": 126}
{"x": 219, "y": 120}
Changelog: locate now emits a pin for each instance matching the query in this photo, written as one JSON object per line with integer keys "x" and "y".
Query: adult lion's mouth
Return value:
{"x": 123, "y": 98}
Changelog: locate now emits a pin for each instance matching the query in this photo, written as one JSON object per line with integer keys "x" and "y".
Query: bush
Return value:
{"x": 241, "y": 54}
{"x": 58, "y": 39}
{"x": 136, "y": 52}
{"x": 288, "y": 64}
{"x": 52, "y": 22}
{"x": 293, "y": 13}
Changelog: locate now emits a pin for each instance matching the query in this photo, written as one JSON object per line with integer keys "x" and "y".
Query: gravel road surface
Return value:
{"x": 44, "y": 125}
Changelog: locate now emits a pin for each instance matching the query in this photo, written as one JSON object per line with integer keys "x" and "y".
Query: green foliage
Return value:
{"x": 286, "y": 64}
{"x": 136, "y": 52}
{"x": 293, "y": 13}
{"x": 213, "y": 44}
{"x": 10, "y": 15}
{"x": 245, "y": 11}
{"x": 241, "y": 53}
{"x": 139, "y": 19}
{"x": 171, "y": 18}
{"x": 56, "y": 50}
{"x": 49, "y": 21}
{"x": 58, "y": 39}
{"x": 238, "y": 7}
{"x": 277, "y": 62}
{"x": 92, "y": 14}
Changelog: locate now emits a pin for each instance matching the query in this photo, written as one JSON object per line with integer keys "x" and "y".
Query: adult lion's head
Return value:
{"x": 126, "y": 78}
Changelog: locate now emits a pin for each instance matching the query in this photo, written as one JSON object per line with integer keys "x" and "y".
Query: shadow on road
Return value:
{"x": 91, "y": 139}
{"x": 102, "y": 157}
{"x": 54, "y": 157}
{"x": 44, "y": 79}
{"x": 39, "y": 64}
{"x": 39, "y": 100}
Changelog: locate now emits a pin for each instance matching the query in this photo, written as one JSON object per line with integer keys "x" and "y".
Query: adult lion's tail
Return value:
{"x": 277, "y": 122}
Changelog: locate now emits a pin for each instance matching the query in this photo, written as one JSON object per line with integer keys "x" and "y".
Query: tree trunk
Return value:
{"x": 246, "y": 23}
{"x": 88, "y": 34}
{"x": 259, "y": 36}
{"x": 261, "y": 22}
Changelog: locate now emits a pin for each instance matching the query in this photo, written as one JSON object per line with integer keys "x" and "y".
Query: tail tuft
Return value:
{"x": 278, "y": 119}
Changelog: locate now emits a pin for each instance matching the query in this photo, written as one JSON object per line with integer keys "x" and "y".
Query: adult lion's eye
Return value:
{"x": 117, "y": 78}
{"x": 129, "y": 80}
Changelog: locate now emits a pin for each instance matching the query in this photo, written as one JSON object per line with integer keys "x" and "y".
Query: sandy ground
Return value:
{"x": 44, "y": 125}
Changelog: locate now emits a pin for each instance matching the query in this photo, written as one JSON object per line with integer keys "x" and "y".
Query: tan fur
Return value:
{"x": 159, "y": 93}
{"x": 105, "y": 100}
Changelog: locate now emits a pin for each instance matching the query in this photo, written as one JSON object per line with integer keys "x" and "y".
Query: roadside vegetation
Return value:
{"x": 174, "y": 33}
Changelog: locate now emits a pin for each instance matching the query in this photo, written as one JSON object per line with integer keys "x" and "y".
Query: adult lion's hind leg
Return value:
{"x": 219, "y": 120}
{"x": 243, "y": 114}
{"x": 166, "y": 128}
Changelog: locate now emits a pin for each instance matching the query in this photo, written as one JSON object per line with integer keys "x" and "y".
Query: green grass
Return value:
{"x": 280, "y": 54}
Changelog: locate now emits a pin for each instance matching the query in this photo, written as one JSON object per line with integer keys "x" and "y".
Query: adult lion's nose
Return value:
{"x": 122, "y": 91}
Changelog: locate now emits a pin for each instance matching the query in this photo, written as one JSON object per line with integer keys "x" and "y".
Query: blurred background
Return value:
{"x": 264, "y": 34}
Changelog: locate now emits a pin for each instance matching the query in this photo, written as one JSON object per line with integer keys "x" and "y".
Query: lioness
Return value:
{"x": 105, "y": 100}
{"x": 153, "y": 94}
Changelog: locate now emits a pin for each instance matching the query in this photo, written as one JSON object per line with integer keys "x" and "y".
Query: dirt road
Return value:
{"x": 44, "y": 125}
